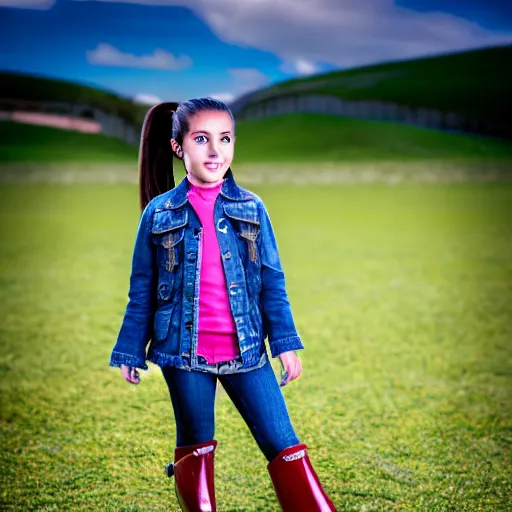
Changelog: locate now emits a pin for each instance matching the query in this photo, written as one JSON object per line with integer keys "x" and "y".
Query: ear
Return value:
{"x": 176, "y": 148}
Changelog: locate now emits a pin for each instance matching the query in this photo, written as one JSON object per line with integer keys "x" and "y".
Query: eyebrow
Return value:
{"x": 208, "y": 133}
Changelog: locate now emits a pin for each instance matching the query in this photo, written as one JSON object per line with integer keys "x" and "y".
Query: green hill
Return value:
{"x": 473, "y": 83}
{"x": 26, "y": 87}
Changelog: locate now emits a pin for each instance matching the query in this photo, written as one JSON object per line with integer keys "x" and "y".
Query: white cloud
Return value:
{"x": 146, "y": 99}
{"x": 28, "y": 4}
{"x": 108, "y": 55}
{"x": 344, "y": 33}
{"x": 304, "y": 67}
{"x": 243, "y": 80}
{"x": 248, "y": 79}
{"x": 226, "y": 97}
{"x": 299, "y": 67}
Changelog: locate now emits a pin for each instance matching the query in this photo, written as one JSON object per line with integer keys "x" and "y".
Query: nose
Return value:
{"x": 213, "y": 148}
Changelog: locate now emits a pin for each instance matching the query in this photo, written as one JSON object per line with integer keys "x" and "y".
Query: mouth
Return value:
{"x": 213, "y": 166}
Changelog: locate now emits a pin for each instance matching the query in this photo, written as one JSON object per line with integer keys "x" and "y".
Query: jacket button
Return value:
{"x": 227, "y": 255}
{"x": 191, "y": 256}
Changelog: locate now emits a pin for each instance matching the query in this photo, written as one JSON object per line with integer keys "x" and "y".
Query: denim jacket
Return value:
{"x": 163, "y": 306}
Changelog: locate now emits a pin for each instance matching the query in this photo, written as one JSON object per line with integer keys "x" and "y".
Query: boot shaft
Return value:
{"x": 194, "y": 477}
{"x": 296, "y": 483}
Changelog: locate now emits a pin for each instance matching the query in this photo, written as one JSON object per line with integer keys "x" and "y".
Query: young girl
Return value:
{"x": 206, "y": 289}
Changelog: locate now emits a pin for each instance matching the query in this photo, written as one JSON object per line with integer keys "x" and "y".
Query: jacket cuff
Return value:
{"x": 118, "y": 358}
{"x": 285, "y": 344}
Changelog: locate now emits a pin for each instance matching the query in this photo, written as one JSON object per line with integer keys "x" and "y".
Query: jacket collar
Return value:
{"x": 230, "y": 190}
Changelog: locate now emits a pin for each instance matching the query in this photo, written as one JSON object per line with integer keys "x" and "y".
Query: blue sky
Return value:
{"x": 173, "y": 50}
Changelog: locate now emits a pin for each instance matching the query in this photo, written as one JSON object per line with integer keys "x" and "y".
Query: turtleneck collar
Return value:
{"x": 207, "y": 193}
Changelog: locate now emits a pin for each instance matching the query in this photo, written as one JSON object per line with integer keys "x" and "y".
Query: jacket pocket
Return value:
{"x": 250, "y": 234}
{"x": 169, "y": 252}
{"x": 245, "y": 222}
{"x": 168, "y": 231}
{"x": 161, "y": 324}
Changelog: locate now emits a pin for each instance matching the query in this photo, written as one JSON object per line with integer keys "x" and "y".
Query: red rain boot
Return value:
{"x": 296, "y": 483}
{"x": 193, "y": 477}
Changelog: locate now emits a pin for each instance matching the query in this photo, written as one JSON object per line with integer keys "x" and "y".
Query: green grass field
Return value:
{"x": 402, "y": 295}
{"x": 21, "y": 143}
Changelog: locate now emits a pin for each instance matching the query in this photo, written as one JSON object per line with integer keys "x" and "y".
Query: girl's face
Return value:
{"x": 208, "y": 147}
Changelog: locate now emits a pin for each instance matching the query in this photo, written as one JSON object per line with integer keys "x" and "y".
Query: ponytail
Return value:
{"x": 156, "y": 174}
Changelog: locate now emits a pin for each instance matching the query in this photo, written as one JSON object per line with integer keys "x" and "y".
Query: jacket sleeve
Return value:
{"x": 277, "y": 315}
{"x": 136, "y": 329}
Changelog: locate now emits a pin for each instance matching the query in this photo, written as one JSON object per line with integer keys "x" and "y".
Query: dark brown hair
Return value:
{"x": 162, "y": 123}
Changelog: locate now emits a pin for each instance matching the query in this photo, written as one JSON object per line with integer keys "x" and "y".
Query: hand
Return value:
{"x": 292, "y": 366}
{"x": 130, "y": 374}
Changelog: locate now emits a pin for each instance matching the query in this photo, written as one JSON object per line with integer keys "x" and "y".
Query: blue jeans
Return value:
{"x": 256, "y": 394}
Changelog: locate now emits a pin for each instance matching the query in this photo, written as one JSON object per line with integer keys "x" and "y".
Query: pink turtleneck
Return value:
{"x": 217, "y": 338}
